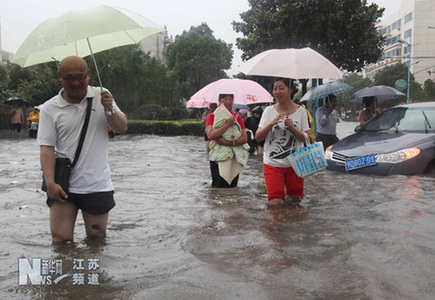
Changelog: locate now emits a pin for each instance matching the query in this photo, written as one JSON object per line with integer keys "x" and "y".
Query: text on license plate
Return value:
{"x": 360, "y": 162}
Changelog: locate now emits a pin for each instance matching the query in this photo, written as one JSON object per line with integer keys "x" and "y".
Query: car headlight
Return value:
{"x": 397, "y": 157}
{"x": 328, "y": 153}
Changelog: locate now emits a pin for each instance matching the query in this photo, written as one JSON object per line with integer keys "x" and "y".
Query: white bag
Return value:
{"x": 308, "y": 159}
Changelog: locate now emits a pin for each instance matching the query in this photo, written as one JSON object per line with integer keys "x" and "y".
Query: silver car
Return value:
{"x": 401, "y": 140}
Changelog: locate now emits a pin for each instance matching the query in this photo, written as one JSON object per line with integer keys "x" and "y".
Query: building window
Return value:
{"x": 408, "y": 17}
{"x": 396, "y": 24}
{"x": 395, "y": 38}
{"x": 408, "y": 34}
{"x": 393, "y": 53}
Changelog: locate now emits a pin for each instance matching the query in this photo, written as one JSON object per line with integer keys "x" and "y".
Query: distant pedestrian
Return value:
{"x": 326, "y": 117}
{"x": 251, "y": 124}
{"x": 211, "y": 109}
{"x": 17, "y": 120}
{"x": 369, "y": 112}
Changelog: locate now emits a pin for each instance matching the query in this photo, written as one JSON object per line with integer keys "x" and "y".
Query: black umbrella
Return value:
{"x": 380, "y": 92}
{"x": 16, "y": 100}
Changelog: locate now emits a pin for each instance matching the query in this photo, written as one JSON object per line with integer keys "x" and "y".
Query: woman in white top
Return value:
{"x": 284, "y": 126}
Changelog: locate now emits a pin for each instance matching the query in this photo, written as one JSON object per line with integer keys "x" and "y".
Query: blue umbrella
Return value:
{"x": 322, "y": 91}
{"x": 380, "y": 92}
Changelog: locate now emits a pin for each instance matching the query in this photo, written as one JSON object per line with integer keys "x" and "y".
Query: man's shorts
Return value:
{"x": 94, "y": 203}
{"x": 16, "y": 126}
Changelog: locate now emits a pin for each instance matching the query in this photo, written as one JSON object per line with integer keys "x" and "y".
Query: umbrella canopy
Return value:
{"x": 16, "y": 100}
{"x": 380, "y": 92}
{"x": 197, "y": 103}
{"x": 75, "y": 32}
{"x": 302, "y": 63}
{"x": 245, "y": 92}
{"x": 322, "y": 91}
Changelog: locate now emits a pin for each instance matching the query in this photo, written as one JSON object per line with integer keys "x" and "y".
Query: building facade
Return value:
{"x": 156, "y": 45}
{"x": 413, "y": 24}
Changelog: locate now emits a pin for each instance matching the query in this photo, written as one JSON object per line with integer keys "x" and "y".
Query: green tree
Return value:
{"x": 4, "y": 118}
{"x": 198, "y": 58}
{"x": 36, "y": 84}
{"x": 135, "y": 79}
{"x": 390, "y": 74}
{"x": 17, "y": 75}
{"x": 429, "y": 90}
{"x": 343, "y": 31}
{"x": 3, "y": 76}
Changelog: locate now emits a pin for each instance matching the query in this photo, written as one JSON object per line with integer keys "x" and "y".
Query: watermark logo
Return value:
{"x": 47, "y": 272}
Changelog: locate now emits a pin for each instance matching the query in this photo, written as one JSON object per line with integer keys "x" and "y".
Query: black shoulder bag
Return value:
{"x": 63, "y": 167}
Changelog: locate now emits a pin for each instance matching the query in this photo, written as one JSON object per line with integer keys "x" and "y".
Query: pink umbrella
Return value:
{"x": 245, "y": 92}
{"x": 197, "y": 103}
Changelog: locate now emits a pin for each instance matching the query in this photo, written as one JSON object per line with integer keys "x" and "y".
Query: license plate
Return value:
{"x": 360, "y": 162}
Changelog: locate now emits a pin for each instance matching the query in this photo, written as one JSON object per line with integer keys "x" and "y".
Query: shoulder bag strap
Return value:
{"x": 83, "y": 132}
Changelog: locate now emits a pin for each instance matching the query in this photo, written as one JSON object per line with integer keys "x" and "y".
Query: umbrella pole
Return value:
{"x": 288, "y": 105}
{"x": 95, "y": 63}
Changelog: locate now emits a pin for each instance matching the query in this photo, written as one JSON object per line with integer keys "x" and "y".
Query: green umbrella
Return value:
{"x": 83, "y": 33}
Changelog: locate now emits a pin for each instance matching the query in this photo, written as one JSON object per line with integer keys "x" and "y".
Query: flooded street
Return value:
{"x": 171, "y": 236}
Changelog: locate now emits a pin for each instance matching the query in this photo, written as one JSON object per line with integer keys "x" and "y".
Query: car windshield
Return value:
{"x": 400, "y": 119}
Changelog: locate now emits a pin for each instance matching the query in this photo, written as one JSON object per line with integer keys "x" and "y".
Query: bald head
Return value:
{"x": 74, "y": 76}
{"x": 73, "y": 63}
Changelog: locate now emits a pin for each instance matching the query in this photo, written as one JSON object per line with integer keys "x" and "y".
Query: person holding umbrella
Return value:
{"x": 370, "y": 111}
{"x": 284, "y": 126}
{"x": 217, "y": 134}
{"x": 17, "y": 120}
{"x": 326, "y": 118}
{"x": 61, "y": 121}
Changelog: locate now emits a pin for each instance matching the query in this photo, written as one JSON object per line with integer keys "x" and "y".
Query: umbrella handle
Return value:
{"x": 95, "y": 63}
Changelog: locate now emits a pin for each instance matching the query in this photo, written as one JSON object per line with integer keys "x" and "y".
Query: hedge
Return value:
{"x": 166, "y": 128}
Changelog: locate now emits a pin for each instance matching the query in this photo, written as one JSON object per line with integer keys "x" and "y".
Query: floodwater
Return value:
{"x": 171, "y": 236}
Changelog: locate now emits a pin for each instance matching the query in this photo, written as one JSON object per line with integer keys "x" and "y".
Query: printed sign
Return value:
{"x": 401, "y": 84}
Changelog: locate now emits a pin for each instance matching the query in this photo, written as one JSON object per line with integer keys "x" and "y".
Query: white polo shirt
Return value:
{"x": 60, "y": 124}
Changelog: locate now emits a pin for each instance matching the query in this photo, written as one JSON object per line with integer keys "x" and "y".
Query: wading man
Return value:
{"x": 60, "y": 124}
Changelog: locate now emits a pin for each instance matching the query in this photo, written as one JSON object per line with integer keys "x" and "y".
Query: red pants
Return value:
{"x": 278, "y": 178}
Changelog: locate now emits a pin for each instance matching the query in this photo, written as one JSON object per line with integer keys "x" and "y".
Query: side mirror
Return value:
{"x": 358, "y": 128}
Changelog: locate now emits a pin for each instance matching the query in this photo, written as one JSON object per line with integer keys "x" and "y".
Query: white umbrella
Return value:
{"x": 82, "y": 33}
{"x": 302, "y": 63}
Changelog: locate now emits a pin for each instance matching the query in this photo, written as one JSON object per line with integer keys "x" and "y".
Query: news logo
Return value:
{"x": 46, "y": 272}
